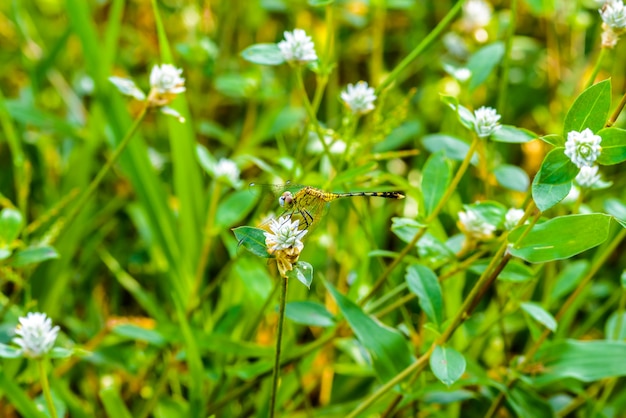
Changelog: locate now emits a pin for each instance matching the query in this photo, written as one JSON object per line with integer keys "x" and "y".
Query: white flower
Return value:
{"x": 315, "y": 146}
{"x": 36, "y": 336}
{"x": 486, "y": 121}
{"x": 583, "y": 148}
{"x": 359, "y": 98}
{"x": 285, "y": 235}
{"x": 462, "y": 74}
{"x": 588, "y": 176}
{"x": 166, "y": 79}
{"x": 613, "y": 14}
{"x": 227, "y": 169}
{"x": 476, "y": 14}
{"x": 127, "y": 87}
{"x": 472, "y": 224}
{"x": 512, "y": 218}
{"x": 297, "y": 47}
{"x": 609, "y": 38}
{"x": 455, "y": 45}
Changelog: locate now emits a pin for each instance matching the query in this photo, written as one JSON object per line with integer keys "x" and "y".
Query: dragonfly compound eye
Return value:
{"x": 286, "y": 199}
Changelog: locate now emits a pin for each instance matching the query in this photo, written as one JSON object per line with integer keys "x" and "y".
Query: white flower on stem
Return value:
{"x": 476, "y": 14}
{"x": 284, "y": 235}
{"x": 473, "y": 225}
{"x": 166, "y": 79}
{"x": 583, "y": 148}
{"x": 127, "y": 87}
{"x": 36, "y": 335}
{"x": 359, "y": 98}
{"x": 227, "y": 170}
{"x": 588, "y": 177}
{"x": 613, "y": 14}
{"x": 486, "y": 122}
{"x": 297, "y": 47}
{"x": 512, "y": 218}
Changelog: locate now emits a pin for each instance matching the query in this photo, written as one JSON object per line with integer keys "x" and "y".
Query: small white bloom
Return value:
{"x": 471, "y": 223}
{"x": 297, "y": 47}
{"x": 315, "y": 146}
{"x": 613, "y": 14}
{"x": 512, "y": 218}
{"x": 36, "y": 336}
{"x": 476, "y": 14}
{"x": 227, "y": 169}
{"x": 588, "y": 176}
{"x": 486, "y": 121}
{"x": 127, "y": 87}
{"x": 359, "y": 98}
{"x": 455, "y": 45}
{"x": 285, "y": 235}
{"x": 583, "y": 148}
{"x": 166, "y": 79}
{"x": 462, "y": 74}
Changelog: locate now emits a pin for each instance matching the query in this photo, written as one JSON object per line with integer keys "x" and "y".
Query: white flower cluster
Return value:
{"x": 512, "y": 218}
{"x": 476, "y": 14}
{"x": 297, "y": 47}
{"x": 472, "y": 224}
{"x": 36, "y": 335}
{"x": 284, "y": 235}
{"x": 359, "y": 98}
{"x": 486, "y": 122}
{"x": 226, "y": 169}
{"x": 583, "y": 148}
{"x": 613, "y": 14}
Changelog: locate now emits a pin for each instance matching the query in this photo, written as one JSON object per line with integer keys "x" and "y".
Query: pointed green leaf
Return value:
{"x": 455, "y": 148}
{"x": 483, "y": 61}
{"x": 466, "y": 117}
{"x": 424, "y": 283}
{"x": 447, "y": 364}
{"x": 6, "y": 351}
{"x": 539, "y": 314}
{"x": 513, "y": 135}
{"x": 561, "y": 237}
{"x": 590, "y": 109}
{"x": 512, "y": 177}
{"x": 389, "y": 351}
{"x": 309, "y": 313}
{"x": 553, "y": 139}
{"x": 557, "y": 168}
{"x": 303, "y": 272}
{"x": 253, "y": 240}
{"x": 11, "y": 222}
{"x": 265, "y": 54}
{"x": 33, "y": 255}
{"x": 548, "y": 195}
{"x": 613, "y": 146}
{"x": 435, "y": 179}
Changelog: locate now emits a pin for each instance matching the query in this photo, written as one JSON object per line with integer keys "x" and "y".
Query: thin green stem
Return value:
{"x": 426, "y": 42}
{"x": 93, "y": 186}
{"x": 45, "y": 387}
{"x": 616, "y": 112}
{"x": 279, "y": 340}
{"x": 596, "y": 68}
{"x": 506, "y": 62}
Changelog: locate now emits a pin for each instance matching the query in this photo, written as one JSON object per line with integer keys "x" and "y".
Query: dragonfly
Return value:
{"x": 308, "y": 204}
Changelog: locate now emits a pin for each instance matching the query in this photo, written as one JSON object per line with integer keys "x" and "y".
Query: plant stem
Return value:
{"x": 506, "y": 62}
{"x": 45, "y": 387}
{"x": 596, "y": 68}
{"x": 93, "y": 186}
{"x": 279, "y": 339}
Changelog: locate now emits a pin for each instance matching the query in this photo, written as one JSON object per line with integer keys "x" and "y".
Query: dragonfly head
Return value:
{"x": 286, "y": 199}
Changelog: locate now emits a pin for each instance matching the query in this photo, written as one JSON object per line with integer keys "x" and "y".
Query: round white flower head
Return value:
{"x": 36, "y": 335}
{"x": 475, "y": 226}
{"x": 486, "y": 121}
{"x": 583, "y": 148}
{"x": 476, "y": 14}
{"x": 166, "y": 79}
{"x": 588, "y": 176}
{"x": 512, "y": 218}
{"x": 227, "y": 169}
{"x": 297, "y": 47}
{"x": 613, "y": 14}
{"x": 285, "y": 235}
{"x": 359, "y": 98}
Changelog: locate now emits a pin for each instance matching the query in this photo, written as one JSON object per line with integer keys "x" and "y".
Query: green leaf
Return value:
{"x": 483, "y": 61}
{"x": 6, "y": 351}
{"x": 539, "y": 314}
{"x": 60, "y": 352}
{"x": 33, "y": 255}
{"x": 17, "y": 398}
{"x": 525, "y": 401}
{"x": 436, "y": 177}
{"x": 568, "y": 279}
{"x": 513, "y": 135}
{"x": 389, "y": 351}
{"x": 455, "y": 148}
{"x": 309, "y": 313}
{"x": 616, "y": 208}
{"x": 590, "y": 109}
{"x": 548, "y": 195}
{"x": 466, "y": 117}
{"x": 447, "y": 364}
{"x": 113, "y": 404}
{"x": 613, "y": 146}
{"x": 557, "y": 168}
{"x": 424, "y": 283}
{"x": 492, "y": 212}
{"x": 553, "y": 139}
{"x": 253, "y": 240}
{"x": 265, "y": 54}
{"x": 137, "y": 333}
{"x": 514, "y": 271}
{"x": 587, "y": 361}
{"x": 303, "y": 272}
{"x": 11, "y": 222}
{"x": 320, "y": 3}
{"x": 512, "y": 177}
{"x": 560, "y": 238}
{"x": 611, "y": 329}
{"x": 234, "y": 208}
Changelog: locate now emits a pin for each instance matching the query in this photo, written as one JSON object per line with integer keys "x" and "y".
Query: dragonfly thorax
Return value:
{"x": 286, "y": 199}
